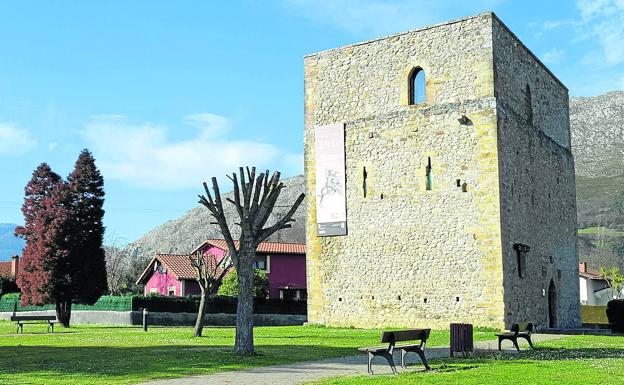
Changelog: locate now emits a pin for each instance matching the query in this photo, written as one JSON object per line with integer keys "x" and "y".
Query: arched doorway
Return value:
{"x": 552, "y": 305}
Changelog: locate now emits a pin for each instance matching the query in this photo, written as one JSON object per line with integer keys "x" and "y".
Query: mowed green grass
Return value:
{"x": 126, "y": 355}
{"x": 575, "y": 360}
{"x": 602, "y": 231}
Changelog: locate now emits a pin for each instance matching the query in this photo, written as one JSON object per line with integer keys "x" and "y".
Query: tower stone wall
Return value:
{"x": 419, "y": 257}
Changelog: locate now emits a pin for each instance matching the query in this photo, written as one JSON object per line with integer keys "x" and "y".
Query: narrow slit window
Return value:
{"x": 429, "y": 175}
{"x": 529, "y": 105}
{"x": 417, "y": 94}
{"x": 364, "y": 177}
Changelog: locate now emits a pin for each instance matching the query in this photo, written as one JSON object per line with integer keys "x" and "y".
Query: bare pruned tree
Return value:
{"x": 254, "y": 199}
{"x": 118, "y": 263}
{"x": 209, "y": 272}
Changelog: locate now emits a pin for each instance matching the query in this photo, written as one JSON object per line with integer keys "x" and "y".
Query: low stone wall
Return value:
{"x": 166, "y": 319}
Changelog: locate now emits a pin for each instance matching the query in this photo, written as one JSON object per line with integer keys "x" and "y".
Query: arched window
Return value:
{"x": 417, "y": 86}
{"x": 529, "y": 105}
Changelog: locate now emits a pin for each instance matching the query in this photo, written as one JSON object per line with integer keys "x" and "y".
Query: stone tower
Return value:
{"x": 440, "y": 182}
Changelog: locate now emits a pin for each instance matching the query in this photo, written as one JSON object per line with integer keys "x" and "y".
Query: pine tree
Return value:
{"x": 52, "y": 246}
{"x": 87, "y": 254}
{"x": 32, "y": 278}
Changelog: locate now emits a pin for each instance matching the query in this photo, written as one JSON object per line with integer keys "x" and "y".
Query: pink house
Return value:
{"x": 284, "y": 263}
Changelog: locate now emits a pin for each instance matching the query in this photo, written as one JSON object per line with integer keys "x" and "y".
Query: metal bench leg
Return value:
{"x": 515, "y": 342}
{"x": 390, "y": 360}
{"x": 500, "y": 342}
{"x": 370, "y": 361}
{"x": 421, "y": 354}
{"x": 403, "y": 353}
{"x": 528, "y": 338}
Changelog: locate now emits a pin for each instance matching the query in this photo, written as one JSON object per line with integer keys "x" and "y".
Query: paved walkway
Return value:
{"x": 316, "y": 370}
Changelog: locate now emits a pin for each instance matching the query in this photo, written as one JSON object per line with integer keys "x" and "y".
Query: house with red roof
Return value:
{"x": 10, "y": 268}
{"x": 594, "y": 289}
{"x": 284, "y": 263}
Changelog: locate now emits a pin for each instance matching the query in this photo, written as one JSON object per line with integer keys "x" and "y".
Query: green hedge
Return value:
{"x": 227, "y": 305}
{"x": 219, "y": 304}
{"x": 594, "y": 315}
{"x": 8, "y": 303}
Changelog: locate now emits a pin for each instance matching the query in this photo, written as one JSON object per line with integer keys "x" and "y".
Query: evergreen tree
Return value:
{"x": 53, "y": 246}
{"x": 32, "y": 277}
{"x": 87, "y": 254}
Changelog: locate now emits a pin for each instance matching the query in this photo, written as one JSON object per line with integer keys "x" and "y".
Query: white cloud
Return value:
{"x": 378, "y": 17}
{"x": 15, "y": 141}
{"x": 142, "y": 155}
{"x": 554, "y": 56}
{"x": 603, "y": 20}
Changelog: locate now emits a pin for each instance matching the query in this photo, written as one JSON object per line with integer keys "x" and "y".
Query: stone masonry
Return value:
{"x": 503, "y": 185}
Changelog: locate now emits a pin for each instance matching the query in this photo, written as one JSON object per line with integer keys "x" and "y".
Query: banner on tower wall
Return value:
{"x": 331, "y": 205}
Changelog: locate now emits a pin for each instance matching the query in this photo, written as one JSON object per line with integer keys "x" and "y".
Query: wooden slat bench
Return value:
{"x": 391, "y": 338}
{"x": 519, "y": 330}
{"x": 32, "y": 319}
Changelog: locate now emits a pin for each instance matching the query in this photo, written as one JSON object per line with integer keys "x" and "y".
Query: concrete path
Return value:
{"x": 302, "y": 372}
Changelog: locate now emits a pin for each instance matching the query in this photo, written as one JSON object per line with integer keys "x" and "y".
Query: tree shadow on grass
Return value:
{"x": 81, "y": 365}
{"x": 543, "y": 354}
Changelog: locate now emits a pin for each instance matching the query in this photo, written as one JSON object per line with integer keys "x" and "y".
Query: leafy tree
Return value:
{"x": 229, "y": 286}
{"x": 254, "y": 200}
{"x": 87, "y": 254}
{"x": 32, "y": 277}
{"x": 63, "y": 260}
{"x": 52, "y": 249}
{"x": 614, "y": 279}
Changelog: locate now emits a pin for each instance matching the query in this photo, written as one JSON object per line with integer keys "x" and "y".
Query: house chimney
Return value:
{"x": 582, "y": 267}
{"x": 15, "y": 265}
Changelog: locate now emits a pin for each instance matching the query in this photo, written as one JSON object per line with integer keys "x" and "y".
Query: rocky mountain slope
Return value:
{"x": 183, "y": 234}
{"x": 598, "y": 144}
{"x": 598, "y": 134}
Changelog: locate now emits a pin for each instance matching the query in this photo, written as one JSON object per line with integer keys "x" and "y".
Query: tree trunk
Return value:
{"x": 199, "y": 324}
{"x": 244, "y": 312}
{"x": 63, "y": 312}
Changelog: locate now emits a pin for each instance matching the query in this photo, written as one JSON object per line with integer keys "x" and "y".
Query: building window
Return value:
{"x": 153, "y": 290}
{"x": 429, "y": 175}
{"x": 171, "y": 292}
{"x": 521, "y": 252}
{"x": 263, "y": 262}
{"x": 417, "y": 94}
{"x": 529, "y": 105}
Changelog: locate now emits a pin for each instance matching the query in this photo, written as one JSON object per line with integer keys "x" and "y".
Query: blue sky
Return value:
{"x": 167, "y": 94}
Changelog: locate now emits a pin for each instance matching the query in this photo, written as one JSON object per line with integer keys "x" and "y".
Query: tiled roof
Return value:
{"x": 591, "y": 274}
{"x": 263, "y": 247}
{"x": 5, "y": 268}
{"x": 177, "y": 265}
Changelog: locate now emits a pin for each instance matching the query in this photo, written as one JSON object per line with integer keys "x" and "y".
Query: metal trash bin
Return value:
{"x": 461, "y": 339}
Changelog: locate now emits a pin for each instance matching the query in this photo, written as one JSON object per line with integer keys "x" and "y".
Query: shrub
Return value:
{"x": 615, "y": 314}
{"x": 8, "y": 285}
{"x": 229, "y": 286}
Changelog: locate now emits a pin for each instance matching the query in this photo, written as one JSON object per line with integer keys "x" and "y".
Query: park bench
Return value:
{"x": 519, "y": 330}
{"x": 32, "y": 319}
{"x": 391, "y": 338}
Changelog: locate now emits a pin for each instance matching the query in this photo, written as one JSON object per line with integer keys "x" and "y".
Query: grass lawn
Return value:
{"x": 602, "y": 231}
{"x": 125, "y": 355}
{"x": 576, "y": 360}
